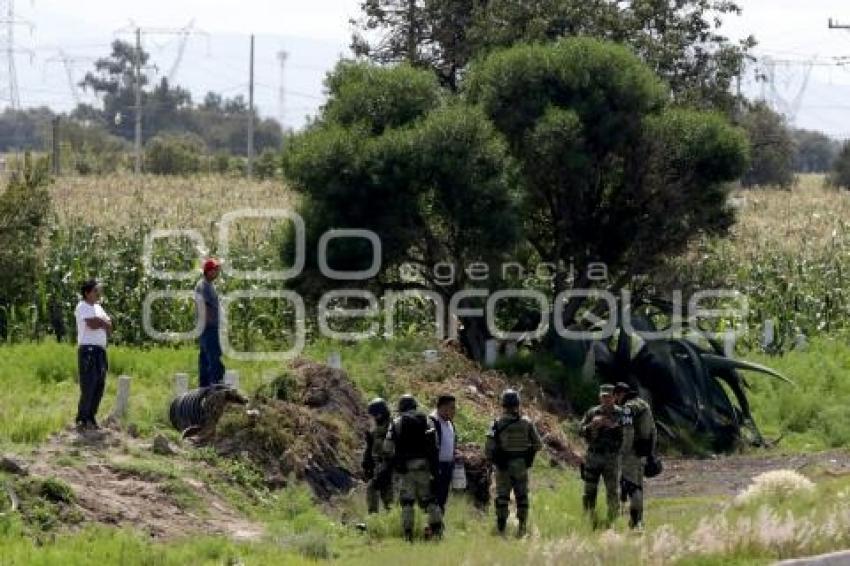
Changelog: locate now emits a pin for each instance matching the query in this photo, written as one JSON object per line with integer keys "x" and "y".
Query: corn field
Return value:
{"x": 788, "y": 253}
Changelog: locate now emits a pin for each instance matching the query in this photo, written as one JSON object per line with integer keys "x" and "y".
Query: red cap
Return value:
{"x": 211, "y": 263}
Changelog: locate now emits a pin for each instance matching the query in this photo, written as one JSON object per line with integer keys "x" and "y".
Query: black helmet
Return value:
{"x": 510, "y": 399}
{"x": 378, "y": 408}
{"x": 406, "y": 403}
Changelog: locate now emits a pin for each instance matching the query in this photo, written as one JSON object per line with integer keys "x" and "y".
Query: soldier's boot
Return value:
{"x": 636, "y": 519}
{"x": 522, "y": 530}
{"x": 588, "y": 503}
{"x": 501, "y": 525}
{"x": 522, "y": 517}
{"x": 436, "y": 530}
{"x": 408, "y": 535}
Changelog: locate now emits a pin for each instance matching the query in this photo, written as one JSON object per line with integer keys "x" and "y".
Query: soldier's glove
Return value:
{"x": 368, "y": 472}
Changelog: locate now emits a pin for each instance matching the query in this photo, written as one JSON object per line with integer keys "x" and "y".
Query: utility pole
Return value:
{"x": 250, "y": 169}
{"x": 55, "y": 140}
{"x": 281, "y": 91}
{"x": 137, "y": 83}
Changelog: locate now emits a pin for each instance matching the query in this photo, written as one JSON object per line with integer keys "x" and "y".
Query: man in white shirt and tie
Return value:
{"x": 93, "y": 328}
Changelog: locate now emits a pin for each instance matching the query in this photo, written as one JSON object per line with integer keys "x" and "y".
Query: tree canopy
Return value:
{"x": 568, "y": 151}
{"x": 680, "y": 41}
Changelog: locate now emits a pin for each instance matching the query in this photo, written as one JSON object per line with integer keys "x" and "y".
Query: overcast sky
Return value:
{"x": 316, "y": 32}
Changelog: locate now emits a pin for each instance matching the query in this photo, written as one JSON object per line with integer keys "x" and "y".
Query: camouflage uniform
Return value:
{"x": 411, "y": 444}
{"x": 512, "y": 442}
{"x": 638, "y": 443}
{"x": 602, "y": 460}
{"x": 378, "y": 468}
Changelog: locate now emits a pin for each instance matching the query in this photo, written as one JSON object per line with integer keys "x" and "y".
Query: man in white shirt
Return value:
{"x": 93, "y": 328}
{"x": 442, "y": 419}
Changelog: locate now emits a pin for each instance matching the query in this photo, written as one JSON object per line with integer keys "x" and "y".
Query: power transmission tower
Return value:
{"x": 68, "y": 62}
{"x": 250, "y": 168}
{"x": 184, "y": 34}
{"x": 281, "y": 91}
{"x": 7, "y": 43}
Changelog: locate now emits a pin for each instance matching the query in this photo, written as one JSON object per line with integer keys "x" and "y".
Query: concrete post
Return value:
{"x": 181, "y": 384}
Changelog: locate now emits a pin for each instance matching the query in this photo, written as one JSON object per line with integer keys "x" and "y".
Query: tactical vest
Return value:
{"x": 413, "y": 437}
{"x": 605, "y": 440}
{"x": 512, "y": 434}
{"x": 379, "y": 434}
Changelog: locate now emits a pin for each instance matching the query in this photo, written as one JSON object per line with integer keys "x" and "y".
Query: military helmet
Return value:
{"x": 510, "y": 399}
{"x": 378, "y": 408}
{"x": 406, "y": 403}
{"x": 622, "y": 386}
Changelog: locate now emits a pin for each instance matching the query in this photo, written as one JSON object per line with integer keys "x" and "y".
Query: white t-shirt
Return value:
{"x": 88, "y": 336}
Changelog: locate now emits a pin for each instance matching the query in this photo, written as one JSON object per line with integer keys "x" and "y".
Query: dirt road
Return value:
{"x": 727, "y": 475}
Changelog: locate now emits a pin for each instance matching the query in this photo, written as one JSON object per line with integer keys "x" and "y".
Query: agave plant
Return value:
{"x": 683, "y": 379}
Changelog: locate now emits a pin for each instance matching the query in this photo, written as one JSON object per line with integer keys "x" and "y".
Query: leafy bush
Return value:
{"x": 174, "y": 154}
{"x": 771, "y": 148}
{"x": 840, "y": 175}
{"x": 268, "y": 165}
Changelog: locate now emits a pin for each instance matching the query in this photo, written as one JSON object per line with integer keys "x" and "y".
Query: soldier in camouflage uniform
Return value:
{"x": 638, "y": 443}
{"x": 377, "y": 469}
{"x": 512, "y": 443}
{"x": 411, "y": 444}
{"x": 602, "y": 429}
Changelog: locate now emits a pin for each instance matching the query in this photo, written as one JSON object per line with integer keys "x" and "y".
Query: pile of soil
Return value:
{"x": 482, "y": 390}
{"x": 309, "y": 423}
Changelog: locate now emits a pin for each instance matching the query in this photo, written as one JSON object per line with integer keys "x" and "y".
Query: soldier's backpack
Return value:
{"x": 414, "y": 439}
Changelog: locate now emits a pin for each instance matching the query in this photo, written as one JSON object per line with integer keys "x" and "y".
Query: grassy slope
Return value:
{"x": 39, "y": 393}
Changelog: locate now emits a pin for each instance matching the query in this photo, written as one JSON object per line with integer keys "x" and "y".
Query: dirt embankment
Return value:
{"x": 108, "y": 486}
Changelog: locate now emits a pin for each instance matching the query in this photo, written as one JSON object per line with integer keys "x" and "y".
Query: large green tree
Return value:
{"x": 607, "y": 170}
{"x": 681, "y": 41}
{"x": 840, "y": 174}
{"x": 390, "y": 153}
{"x": 772, "y": 162}
{"x": 814, "y": 152}
{"x": 166, "y": 108}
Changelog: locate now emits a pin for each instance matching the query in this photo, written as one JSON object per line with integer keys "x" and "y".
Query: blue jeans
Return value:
{"x": 210, "y": 368}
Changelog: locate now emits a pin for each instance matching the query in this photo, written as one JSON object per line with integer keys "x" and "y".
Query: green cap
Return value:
{"x": 606, "y": 389}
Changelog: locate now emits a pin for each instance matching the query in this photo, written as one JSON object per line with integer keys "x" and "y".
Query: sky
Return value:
{"x": 315, "y": 33}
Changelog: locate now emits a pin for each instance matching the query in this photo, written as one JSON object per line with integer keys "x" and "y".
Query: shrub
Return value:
{"x": 840, "y": 175}
{"x": 174, "y": 155}
{"x": 268, "y": 165}
{"x": 775, "y": 483}
{"x": 771, "y": 148}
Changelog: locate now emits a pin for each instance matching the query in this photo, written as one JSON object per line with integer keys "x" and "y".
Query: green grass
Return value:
{"x": 39, "y": 394}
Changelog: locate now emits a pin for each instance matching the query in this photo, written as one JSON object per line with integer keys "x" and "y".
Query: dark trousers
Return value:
{"x": 443, "y": 483}
{"x": 92, "y": 365}
{"x": 210, "y": 368}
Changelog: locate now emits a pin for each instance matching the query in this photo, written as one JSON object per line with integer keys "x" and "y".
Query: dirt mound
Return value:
{"x": 76, "y": 480}
{"x": 330, "y": 391}
{"x": 482, "y": 389}
{"x": 308, "y": 423}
